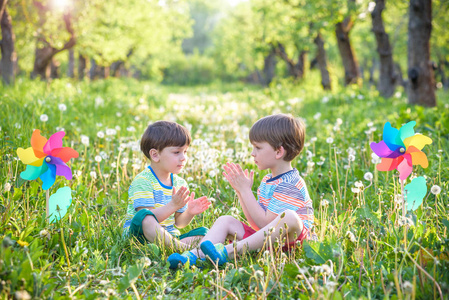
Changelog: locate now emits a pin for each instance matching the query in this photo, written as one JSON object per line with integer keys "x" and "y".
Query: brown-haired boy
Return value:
{"x": 159, "y": 199}
{"x": 283, "y": 200}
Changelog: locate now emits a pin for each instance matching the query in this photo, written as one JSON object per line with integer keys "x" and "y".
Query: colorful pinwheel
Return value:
{"x": 401, "y": 149}
{"x": 46, "y": 158}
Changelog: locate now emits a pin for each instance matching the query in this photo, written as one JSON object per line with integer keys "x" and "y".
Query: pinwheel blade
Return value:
{"x": 61, "y": 168}
{"x": 65, "y": 153}
{"x": 389, "y": 137}
{"x": 28, "y": 157}
{"x": 37, "y": 143}
{"x": 54, "y": 142}
{"x": 388, "y": 164}
{"x": 415, "y": 192}
{"x": 382, "y": 150}
{"x": 405, "y": 169}
{"x": 59, "y": 203}
{"x": 48, "y": 178}
{"x": 418, "y": 141}
{"x": 32, "y": 172}
{"x": 419, "y": 158}
{"x": 405, "y": 131}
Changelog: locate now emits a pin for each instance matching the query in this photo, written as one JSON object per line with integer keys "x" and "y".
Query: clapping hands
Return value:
{"x": 183, "y": 196}
{"x": 237, "y": 178}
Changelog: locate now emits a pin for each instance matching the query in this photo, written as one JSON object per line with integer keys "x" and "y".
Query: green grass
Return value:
{"x": 362, "y": 251}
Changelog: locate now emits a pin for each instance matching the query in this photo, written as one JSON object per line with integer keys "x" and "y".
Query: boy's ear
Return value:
{"x": 280, "y": 152}
{"x": 154, "y": 155}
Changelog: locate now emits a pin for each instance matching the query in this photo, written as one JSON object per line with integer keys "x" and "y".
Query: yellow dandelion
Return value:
{"x": 22, "y": 243}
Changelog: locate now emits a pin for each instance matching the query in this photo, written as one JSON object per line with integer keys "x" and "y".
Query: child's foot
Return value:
{"x": 216, "y": 252}
{"x": 175, "y": 259}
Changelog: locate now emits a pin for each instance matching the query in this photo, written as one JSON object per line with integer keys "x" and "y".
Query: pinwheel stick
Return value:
{"x": 403, "y": 198}
{"x": 47, "y": 197}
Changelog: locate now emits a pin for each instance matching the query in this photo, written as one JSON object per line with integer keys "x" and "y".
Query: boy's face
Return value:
{"x": 173, "y": 159}
{"x": 264, "y": 155}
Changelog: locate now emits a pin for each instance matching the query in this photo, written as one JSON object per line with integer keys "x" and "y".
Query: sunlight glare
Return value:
{"x": 61, "y": 4}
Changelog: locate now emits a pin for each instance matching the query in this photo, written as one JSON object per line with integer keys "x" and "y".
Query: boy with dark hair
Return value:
{"x": 283, "y": 208}
{"x": 159, "y": 199}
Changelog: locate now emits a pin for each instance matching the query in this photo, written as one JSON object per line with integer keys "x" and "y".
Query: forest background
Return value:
{"x": 102, "y": 70}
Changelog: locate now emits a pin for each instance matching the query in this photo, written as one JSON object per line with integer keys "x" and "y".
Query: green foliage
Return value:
{"x": 84, "y": 255}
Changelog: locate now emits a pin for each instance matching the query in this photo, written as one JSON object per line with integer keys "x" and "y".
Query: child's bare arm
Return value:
{"x": 194, "y": 207}
{"x": 179, "y": 199}
{"x": 242, "y": 182}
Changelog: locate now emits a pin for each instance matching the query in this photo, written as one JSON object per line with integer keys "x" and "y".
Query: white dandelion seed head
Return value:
{"x": 85, "y": 140}
{"x": 329, "y": 140}
{"x": 435, "y": 189}
{"x": 93, "y": 174}
{"x": 98, "y": 158}
{"x": 43, "y": 118}
{"x": 100, "y": 134}
{"x": 368, "y": 176}
{"x": 62, "y": 107}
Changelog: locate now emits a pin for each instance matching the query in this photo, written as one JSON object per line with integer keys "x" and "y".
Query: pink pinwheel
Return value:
{"x": 46, "y": 158}
{"x": 401, "y": 149}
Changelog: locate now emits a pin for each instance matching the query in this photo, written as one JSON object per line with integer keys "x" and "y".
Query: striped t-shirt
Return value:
{"x": 286, "y": 191}
{"x": 146, "y": 190}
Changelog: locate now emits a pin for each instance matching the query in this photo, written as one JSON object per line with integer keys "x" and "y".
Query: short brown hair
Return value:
{"x": 162, "y": 134}
{"x": 280, "y": 130}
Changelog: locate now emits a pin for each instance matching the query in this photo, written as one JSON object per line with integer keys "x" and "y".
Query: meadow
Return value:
{"x": 365, "y": 249}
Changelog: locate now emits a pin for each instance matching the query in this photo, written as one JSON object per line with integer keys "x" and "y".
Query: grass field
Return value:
{"x": 365, "y": 249}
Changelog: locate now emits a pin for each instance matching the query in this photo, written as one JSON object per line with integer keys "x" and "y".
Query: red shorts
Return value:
{"x": 303, "y": 236}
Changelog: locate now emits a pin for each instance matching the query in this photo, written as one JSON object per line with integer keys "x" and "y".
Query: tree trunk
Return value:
{"x": 54, "y": 68}
{"x": 269, "y": 68}
{"x": 71, "y": 65}
{"x": 82, "y": 66}
{"x": 387, "y": 76}
{"x": 93, "y": 69}
{"x": 9, "y": 57}
{"x": 44, "y": 55}
{"x": 421, "y": 87}
{"x": 347, "y": 54}
{"x": 115, "y": 68}
{"x": 399, "y": 79}
{"x": 296, "y": 70}
{"x": 322, "y": 62}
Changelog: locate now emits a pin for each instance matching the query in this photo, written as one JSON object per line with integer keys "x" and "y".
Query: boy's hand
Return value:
{"x": 238, "y": 178}
{"x": 180, "y": 197}
{"x": 197, "y": 206}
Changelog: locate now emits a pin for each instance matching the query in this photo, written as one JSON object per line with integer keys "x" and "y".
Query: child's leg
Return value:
{"x": 225, "y": 227}
{"x": 256, "y": 241}
{"x": 155, "y": 233}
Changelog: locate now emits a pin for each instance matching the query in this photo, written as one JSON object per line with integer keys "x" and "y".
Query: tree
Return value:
{"x": 387, "y": 76}
{"x": 342, "y": 30}
{"x": 421, "y": 86}
{"x": 322, "y": 62}
{"x": 45, "y": 50}
{"x": 8, "y": 60}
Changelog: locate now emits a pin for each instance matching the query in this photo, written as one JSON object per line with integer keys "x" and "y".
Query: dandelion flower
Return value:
{"x": 324, "y": 203}
{"x": 351, "y": 236}
{"x": 98, "y": 158}
{"x": 85, "y": 140}
{"x": 93, "y": 175}
{"x": 329, "y": 140}
{"x": 368, "y": 176}
{"x": 100, "y": 134}
{"x": 23, "y": 243}
{"x": 43, "y": 118}
{"x": 62, "y": 107}
{"x": 7, "y": 187}
{"x": 435, "y": 189}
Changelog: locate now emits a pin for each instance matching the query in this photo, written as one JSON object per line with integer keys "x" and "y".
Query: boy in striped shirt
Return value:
{"x": 283, "y": 209}
{"x": 159, "y": 199}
